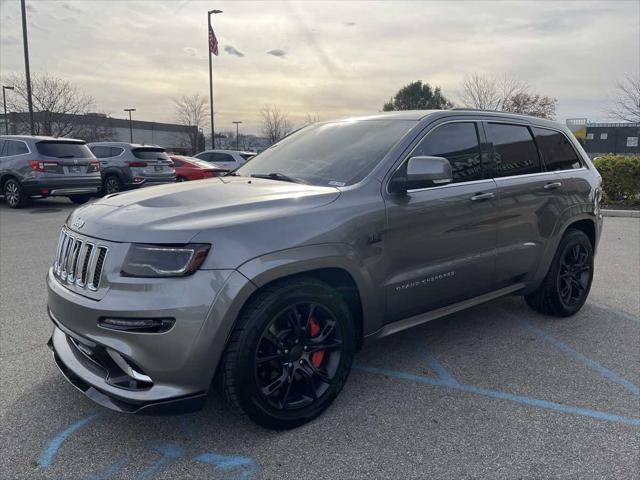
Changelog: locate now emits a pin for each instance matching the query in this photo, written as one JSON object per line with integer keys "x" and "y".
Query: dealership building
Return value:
{"x": 100, "y": 127}
{"x": 603, "y": 138}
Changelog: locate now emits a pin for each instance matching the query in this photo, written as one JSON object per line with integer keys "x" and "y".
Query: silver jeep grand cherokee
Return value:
{"x": 265, "y": 282}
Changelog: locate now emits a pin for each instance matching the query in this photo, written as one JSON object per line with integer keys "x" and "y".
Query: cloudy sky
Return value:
{"x": 325, "y": 58}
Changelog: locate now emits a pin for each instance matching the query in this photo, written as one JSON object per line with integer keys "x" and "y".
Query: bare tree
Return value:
{"x": 532, "y": 104}
{"x": 275, "y": 124}
{"x": 191, "y": 111}
{"x": 490, "y": 93}
{"x": 311, "y": 118}
{"x": 626, "y": 105}
{"x": 57, "y": 103}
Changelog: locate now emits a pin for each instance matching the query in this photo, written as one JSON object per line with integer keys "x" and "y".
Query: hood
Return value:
{"x": 175, "y": 213}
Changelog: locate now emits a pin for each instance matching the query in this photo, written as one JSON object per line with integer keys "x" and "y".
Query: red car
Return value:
{"x": 189, "y": 168}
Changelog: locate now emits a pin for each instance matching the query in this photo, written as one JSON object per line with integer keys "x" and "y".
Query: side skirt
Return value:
{"x": 405, "y": 323}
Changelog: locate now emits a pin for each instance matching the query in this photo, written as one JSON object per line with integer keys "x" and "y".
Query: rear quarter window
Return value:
{"x": 556, "y": 149}
{"x": 15, "y": 147}
{"x": 63, "y": 149}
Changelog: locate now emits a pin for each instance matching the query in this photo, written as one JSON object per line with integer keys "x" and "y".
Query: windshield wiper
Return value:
{"x": 277, "y": 176}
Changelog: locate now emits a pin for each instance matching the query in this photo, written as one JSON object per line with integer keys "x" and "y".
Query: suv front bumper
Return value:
{"x": 180, "y": 362}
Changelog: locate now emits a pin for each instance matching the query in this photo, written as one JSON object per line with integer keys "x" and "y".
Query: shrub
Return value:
{"x": 620, "y": 178}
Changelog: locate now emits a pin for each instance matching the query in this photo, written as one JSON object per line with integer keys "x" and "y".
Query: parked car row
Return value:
{"x": 40, "y": 167}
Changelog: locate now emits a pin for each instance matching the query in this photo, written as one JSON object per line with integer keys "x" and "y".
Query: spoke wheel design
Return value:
{"x": 574, "y": 275}
{"x": 112, "y": 185}
{"x": 12, "y": 194}
{"x": 297, "y": 356}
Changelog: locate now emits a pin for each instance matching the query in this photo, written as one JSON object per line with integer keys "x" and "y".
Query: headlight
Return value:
{"x": 164, "y": 260}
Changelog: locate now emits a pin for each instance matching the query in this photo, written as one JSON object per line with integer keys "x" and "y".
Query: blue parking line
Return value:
{"x": 443, "y": 374}
{"x": 51, "y": 449}
{"x": 245, "y": 467}
{"x": 170, "y": 453}
{"x": 620, "y": 313}
{"x": 584, "y": 360}
{"x": 534, "y": 402}
{"x": 111, "y": 470}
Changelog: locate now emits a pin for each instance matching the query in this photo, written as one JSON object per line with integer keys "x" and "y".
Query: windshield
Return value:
{"x": 338, "y": 153}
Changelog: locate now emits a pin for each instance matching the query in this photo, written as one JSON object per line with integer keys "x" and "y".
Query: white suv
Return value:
{"x": 229, "y": 159}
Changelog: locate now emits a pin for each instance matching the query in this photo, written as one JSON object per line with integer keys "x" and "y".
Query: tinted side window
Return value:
{"x": 115, "y": 151}
{"x": 556, "y": 149}
{"x": 16, "y": 148}
{"x": 177, "y": 163}
{"x": 101, "y": 152}
{"x": 458, "y": 143}
{"x": 515, "y": 150}
{"x": 204, "y": 156}
{"x": 2, "y": 144}
{"x": 221, "y": 157}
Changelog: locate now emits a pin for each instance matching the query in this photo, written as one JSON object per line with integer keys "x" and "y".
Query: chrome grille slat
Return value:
{"x": 79, "y": 262}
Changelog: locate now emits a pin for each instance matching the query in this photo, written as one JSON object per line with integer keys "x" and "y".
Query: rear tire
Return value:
{"x": 14, "y": 195}
{"x": 80, "y": 199}
{"x": 275, "y": 367}
{"x": 566, "y": 287}
{"x": 181, "y": 179}
{"x": 111, "y": 184}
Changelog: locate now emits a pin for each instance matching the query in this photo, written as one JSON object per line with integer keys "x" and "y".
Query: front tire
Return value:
{"x": 14, "y": 195}
{"x": 566, "y": 287}
{"x": 289, "y": 354}
{"x": 181, "y": 179}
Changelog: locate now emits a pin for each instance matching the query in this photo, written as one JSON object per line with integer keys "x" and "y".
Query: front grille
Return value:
{"x": 79, "y": 261}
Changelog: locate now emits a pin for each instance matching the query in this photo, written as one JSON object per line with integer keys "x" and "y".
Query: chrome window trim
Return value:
{"x": 455, "y": 184}
{"x": 420, "y": 141}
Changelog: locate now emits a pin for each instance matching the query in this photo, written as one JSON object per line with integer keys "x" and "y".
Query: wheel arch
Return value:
{"x": 334, "y": 264}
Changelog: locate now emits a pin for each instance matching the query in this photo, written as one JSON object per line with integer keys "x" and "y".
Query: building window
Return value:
{"x": 603, "y": 136}
{"x": 632, "y": 141}
{"x": 589, "y": 136}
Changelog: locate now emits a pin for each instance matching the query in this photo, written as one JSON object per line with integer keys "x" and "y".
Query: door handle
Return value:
{"x": 552, "y": 185}
{"x": 482, "y": 196}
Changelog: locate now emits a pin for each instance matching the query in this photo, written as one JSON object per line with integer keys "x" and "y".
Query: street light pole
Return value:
{"x": 4, "y": 103}
{"x": 130, "y": 126}
{"x": 210, "y": 29}
{"x": 25, "y": 43}
{"x": 237, "y": 129}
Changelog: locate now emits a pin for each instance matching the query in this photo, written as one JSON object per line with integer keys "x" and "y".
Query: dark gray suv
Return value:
{"x": 40, "y": 167}
{"x": 267, "y": 281}
{"x": 129, "y": 165}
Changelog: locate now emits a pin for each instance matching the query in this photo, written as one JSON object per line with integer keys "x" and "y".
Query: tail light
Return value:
{"x": 40, "y": 166}
{"x": 138, "y": 164}
{"x": 94, "y": 167}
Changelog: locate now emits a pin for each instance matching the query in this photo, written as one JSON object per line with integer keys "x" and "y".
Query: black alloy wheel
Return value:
{"x": 566, "y": 286}
{"x": 574, "y": 275}
{"x": 297, "y": 356}
{"x": 289, "y": 354}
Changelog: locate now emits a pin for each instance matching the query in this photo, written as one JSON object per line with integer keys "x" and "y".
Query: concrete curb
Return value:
{"x": 621, "y": 213}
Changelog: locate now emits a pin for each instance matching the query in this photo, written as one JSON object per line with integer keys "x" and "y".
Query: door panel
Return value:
{"x": 439, "y": 247}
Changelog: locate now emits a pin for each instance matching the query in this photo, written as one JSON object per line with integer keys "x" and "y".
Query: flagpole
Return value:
{"x": 209, "y": 29}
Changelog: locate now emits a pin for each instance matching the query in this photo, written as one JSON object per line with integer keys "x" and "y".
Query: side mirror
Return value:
{"x": 422, "y": 172}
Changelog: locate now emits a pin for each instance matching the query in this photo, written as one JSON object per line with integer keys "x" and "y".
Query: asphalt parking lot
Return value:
{"x": 494, "y": 392}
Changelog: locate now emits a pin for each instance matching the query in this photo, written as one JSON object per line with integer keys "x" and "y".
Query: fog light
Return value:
{"x": 148, "y": 325}
{"x": 137, "y": 179}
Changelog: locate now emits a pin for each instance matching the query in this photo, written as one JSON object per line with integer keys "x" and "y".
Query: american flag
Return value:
{"x": 213, "y": 42}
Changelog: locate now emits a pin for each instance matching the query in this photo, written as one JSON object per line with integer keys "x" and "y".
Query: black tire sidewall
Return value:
{"x": 249, "y": 397}
{"x": 111, "y": 178}
{"x": 572, "y": 238}
{"x": 20, "y": 191}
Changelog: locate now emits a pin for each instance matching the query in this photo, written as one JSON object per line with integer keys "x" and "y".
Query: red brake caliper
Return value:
{"x": 314, "y": 330}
